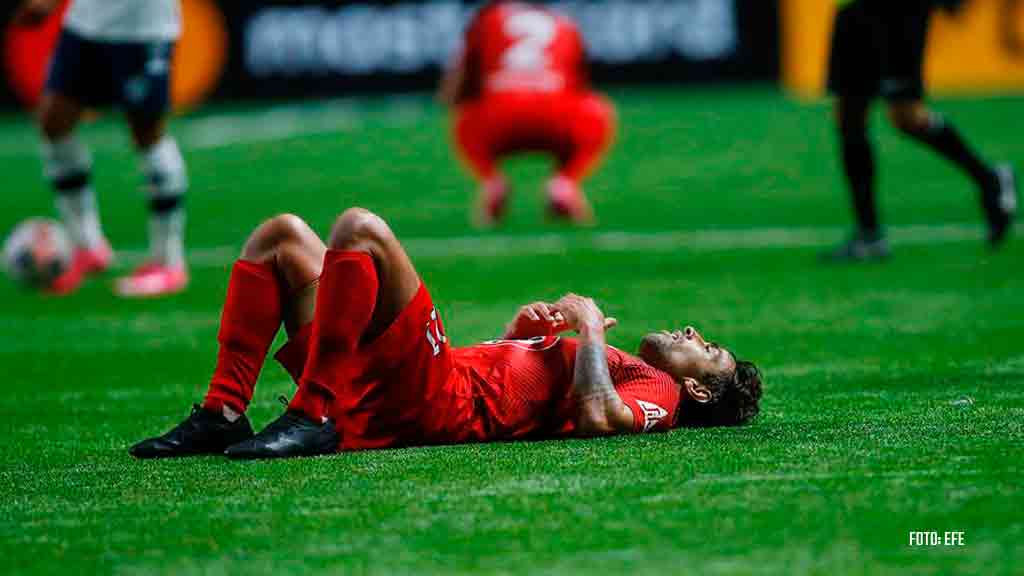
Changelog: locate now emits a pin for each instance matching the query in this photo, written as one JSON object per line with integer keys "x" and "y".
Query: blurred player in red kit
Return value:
{"x": 375, "y": 368}
{"x": 520, "y": 84}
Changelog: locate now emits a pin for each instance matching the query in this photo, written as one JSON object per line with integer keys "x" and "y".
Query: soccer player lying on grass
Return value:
{"x": 375, "y": 368}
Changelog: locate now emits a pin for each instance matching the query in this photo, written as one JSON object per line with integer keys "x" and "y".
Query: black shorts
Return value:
{"x": 133, "y": 76}
{"x": 878, "y": 49}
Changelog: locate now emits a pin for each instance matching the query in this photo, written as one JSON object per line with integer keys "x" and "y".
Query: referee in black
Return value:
{"x": 877, "y": 50}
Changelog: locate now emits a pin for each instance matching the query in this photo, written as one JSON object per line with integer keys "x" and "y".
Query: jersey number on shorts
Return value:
{"x": 434, "y": 334}
{"x": 533, "y": 31}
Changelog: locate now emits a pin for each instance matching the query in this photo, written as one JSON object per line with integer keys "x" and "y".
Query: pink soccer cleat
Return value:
{"x": 492, "y": 201}
{"x": 152, "y": 279}
{"x": 566, "y": 200}
{"x": 84, "y": 262}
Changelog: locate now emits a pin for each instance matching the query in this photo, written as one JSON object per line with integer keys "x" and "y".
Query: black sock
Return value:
{"x": 859, "y": 164}
{"x": 944, "y": 139}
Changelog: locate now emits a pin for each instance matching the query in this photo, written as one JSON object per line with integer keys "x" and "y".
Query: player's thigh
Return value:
{"x": 361, "y": 230}
{"x": 854, "y": 67}
{"x": 478, "y": 127}
{"x": 903, "y": 37}
{"x": 467, "y": 121}
{"x": 593, "y": 120}
{"x": 141, "y": 83}
{"x": 74, "y": 80}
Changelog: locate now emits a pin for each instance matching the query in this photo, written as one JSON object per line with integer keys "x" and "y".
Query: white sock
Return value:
{"x": 164, "y": 169}
{"x": 167, "y": 237}
{"x": 66, "y": 164}
{"x": 78, "y": 211}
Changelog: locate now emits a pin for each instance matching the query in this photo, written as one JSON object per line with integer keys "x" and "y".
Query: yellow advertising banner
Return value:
{"x": 980, "y": 49}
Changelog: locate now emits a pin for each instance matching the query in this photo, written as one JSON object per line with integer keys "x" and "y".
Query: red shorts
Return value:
{"x": 563, "y": 125}
{"x": 400, "y": 388}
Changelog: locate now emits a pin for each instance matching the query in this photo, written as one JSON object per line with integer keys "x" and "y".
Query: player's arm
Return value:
{"x": 34, "y": 12}
{"x": 453, "y": 84}
{"x": 601, "y": 409}
{"x": 583, "y": 63}
{"x": 457, "y": 79}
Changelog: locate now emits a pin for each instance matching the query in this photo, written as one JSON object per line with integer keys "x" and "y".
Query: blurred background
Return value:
{"x": 305, "y": 49}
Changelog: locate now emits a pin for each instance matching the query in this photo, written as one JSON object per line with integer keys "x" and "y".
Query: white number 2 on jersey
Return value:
{"x": 533, "y": 31}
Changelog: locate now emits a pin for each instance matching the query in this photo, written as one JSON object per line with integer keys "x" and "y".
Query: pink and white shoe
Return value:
{"x": 492, "y": 202}
{"x": 84, "y": 262}
{"x": 151, "y": 280}
{"x": 566, "y": 200}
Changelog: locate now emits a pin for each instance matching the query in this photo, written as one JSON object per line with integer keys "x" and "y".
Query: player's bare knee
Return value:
{"x": 908, "y": 118}
{"x": 52, "y": 123}
{"x": 271, "y": 234}
{"x": 358, "y": 228}
{"x": 146, "y": 132}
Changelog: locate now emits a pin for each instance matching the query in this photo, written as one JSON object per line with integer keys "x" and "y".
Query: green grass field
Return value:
{"x": 894, "y": 393}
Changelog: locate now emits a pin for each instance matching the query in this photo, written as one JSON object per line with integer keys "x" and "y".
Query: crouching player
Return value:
{"x": 375, "y": 368}
{"x": 519, "y": 85}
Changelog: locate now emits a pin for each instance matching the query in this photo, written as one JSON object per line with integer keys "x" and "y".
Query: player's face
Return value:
{"x": 685, "y": 354}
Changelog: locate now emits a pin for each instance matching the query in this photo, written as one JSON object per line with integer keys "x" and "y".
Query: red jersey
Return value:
{"x": 409, "y": 386}
{"x": 521, "y": 48}
{"x": 523, "y": 388}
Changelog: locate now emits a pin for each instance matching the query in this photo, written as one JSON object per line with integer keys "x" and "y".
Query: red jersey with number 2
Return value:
{"x": 514, "y": 47}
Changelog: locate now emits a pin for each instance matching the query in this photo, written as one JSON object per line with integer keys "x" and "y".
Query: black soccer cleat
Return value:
{"x": 290, "y": 436}
{"x": 203, "y": 432}
{"x": 861, "y": 247}
{"x": 999, "y": 201}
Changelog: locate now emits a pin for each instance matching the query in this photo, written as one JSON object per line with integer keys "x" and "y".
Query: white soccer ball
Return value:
{"x": 37, "y": 251}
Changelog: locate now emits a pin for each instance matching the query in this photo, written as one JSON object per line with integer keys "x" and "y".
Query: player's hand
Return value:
{"x": 581, "y": 314}
{"x": 534, "y": 319}
{"x": 34, "y": 12}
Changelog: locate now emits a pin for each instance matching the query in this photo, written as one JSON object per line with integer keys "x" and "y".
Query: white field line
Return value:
{"x": 271, "y": 124}
{"x": 699, "y": 241}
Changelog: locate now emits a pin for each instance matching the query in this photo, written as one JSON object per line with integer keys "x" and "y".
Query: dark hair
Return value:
{"x": 735, "y": 399}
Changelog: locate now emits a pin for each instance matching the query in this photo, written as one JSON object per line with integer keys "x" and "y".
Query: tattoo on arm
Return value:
{"x": 601, "y": 409}
{"x": 591, "y": 378}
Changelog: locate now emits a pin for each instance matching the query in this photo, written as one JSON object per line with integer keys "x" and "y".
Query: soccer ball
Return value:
{"x": 37, "y": 252}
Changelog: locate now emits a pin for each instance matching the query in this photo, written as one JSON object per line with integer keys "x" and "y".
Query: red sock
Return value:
{"x": 345, "y": 300}
{"x": 251, "y": 318}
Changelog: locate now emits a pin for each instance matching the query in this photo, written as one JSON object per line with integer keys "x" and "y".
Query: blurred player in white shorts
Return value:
{"x": 114, "y": 53}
